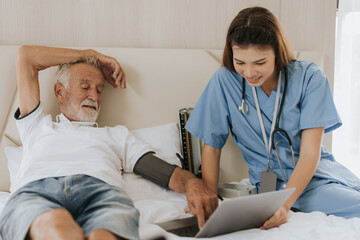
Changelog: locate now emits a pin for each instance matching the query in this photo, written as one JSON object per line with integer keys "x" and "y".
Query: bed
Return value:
{"x": 160, "y": 82}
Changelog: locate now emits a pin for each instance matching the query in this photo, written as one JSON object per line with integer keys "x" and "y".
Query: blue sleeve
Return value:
{"x": 317, "y": 104}
{"x": 209, "y": 119}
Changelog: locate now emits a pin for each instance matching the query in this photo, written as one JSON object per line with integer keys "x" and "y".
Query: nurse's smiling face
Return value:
{"x": 256, "y": 65}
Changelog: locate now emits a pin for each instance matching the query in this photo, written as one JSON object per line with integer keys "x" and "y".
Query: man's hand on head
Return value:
{"x": 202, "y": 202}
{"x": 112, "y": 70}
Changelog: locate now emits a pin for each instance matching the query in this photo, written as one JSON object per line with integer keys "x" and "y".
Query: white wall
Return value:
{"x": 309, "y": 24}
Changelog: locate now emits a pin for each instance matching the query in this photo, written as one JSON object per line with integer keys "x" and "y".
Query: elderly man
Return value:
{"x": 69, "y": 182}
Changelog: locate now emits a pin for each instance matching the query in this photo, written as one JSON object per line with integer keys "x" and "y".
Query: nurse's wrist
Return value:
{"x": 287, "y": 206}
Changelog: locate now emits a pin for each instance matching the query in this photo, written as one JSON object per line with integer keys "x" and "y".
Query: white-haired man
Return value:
{"x": 69, "y": 182}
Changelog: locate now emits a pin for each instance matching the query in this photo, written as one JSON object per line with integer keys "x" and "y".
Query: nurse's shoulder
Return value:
{"x": 307, "y": 77}
{"x": 306, "y": 70}
{"x": 224, "y": 76}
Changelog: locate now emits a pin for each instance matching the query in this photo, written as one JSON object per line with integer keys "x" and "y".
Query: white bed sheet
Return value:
{"x": 157, "y": 205}
{"x": 315, "y": 225}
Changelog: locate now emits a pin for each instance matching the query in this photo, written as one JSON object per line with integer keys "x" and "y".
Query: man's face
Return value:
{"x": 83, "y": 98}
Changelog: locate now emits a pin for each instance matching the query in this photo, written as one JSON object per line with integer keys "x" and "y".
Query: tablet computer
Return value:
{"x": 244, "y": 212}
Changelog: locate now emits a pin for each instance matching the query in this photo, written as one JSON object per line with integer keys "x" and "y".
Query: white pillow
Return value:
{"x": 164, "y": 139}
{"x": 14, "y": 156}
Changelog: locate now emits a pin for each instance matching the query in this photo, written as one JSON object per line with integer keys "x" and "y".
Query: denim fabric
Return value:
{"x": 92, "y": 203}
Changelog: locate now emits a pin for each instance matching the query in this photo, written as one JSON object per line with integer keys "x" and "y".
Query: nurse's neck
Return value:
{"x": 270, "y": 84}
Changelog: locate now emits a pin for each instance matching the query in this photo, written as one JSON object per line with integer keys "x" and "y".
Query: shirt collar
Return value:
{"x": 62, "y": 119}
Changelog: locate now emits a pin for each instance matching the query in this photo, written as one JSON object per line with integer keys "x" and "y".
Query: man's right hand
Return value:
{"x": 202, "y": 201}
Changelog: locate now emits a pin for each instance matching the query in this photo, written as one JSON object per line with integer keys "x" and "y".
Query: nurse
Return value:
{"x": 261, "y": 88}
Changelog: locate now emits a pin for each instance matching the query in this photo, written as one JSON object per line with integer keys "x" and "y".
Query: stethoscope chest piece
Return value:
{"x": 244, "y": 108}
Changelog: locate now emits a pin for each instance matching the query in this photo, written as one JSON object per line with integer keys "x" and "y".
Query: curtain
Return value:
{"x": 346, "y": 140}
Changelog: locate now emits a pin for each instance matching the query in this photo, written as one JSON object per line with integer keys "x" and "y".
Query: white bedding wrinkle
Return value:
{"x": 307, "y": 226}
{"x": 3, "y": 199}
{"x": 156, "y": 204}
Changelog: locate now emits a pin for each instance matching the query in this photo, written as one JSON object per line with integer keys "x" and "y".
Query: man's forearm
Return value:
{"x": 29, "y": 61}
{"x": 42, "y": 57}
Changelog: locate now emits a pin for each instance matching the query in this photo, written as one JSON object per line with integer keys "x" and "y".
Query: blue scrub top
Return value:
{"x": 308, "y": 104}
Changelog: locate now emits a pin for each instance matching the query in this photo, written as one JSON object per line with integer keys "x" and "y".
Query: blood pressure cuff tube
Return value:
{"x": 154, "y": 169}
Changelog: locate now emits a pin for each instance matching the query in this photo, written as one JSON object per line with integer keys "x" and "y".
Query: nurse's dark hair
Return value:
{"x": 257, "y": 26}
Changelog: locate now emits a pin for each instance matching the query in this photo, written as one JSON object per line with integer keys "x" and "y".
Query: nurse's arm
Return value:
{"x": 210, "y": 164}
{"x": 310, "y": 151}
{"x": 306, "y": 166}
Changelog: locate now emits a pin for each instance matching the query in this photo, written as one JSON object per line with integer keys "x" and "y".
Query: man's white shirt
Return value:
{"x": 56, "y": 149}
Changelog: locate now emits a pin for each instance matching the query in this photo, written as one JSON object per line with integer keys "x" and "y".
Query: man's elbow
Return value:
{"x": 23, "y": 51}
{"x": 23, "y": 54}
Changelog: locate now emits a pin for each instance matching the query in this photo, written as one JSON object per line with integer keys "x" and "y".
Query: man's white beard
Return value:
{"x": 83, "y": 114}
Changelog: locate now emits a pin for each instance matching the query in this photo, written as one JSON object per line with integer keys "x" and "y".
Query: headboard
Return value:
{"x": 159, "y": 83}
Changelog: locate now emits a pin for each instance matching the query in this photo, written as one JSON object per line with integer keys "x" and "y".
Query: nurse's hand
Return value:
{"x": 279, "y": 217}
{"x": 202, "y": 202}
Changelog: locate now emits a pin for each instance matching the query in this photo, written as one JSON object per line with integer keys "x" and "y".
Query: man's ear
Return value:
{"x": 60, "y": 92}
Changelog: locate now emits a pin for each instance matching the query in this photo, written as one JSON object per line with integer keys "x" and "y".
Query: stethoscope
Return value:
{"x": 244, "y": 108}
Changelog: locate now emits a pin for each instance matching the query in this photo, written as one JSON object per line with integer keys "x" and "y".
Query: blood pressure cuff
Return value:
{"x": 154, "y": 169}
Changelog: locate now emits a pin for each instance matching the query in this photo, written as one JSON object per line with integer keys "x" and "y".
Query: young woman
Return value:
{"x": 269, "y": 100}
